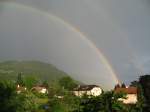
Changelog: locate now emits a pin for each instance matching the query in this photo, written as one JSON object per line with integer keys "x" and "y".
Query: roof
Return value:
{"x": 129, "y": 90}
{"x": 40, "y": 85}
{"x": 20, "y": 88}
{"x": 38, "y": 88}
{"x": 85, "y": 87}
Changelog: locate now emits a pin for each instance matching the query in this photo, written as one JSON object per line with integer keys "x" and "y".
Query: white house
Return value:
{"x": 40, "y": 89}
{"x": 131, "y": 92}
{"x": 93, "y": 90}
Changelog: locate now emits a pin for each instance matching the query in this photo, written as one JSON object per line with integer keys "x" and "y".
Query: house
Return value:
{"x": 131, "y": 97}
{"x": 40, "y": 89}
{"x": 93, "y": 90}
{"x": 20, "y": 89}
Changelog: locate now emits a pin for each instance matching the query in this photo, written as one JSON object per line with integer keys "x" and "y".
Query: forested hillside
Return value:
{"x": 44, "y": 71}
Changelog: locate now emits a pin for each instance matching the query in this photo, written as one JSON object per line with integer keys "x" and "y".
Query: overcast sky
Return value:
{"x": 120, "y": 29}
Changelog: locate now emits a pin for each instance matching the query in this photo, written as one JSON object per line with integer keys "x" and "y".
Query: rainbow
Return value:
{"x": 74, "y": 29}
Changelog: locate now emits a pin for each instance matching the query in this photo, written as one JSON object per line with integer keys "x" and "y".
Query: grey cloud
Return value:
{"x": 118, "y": 28}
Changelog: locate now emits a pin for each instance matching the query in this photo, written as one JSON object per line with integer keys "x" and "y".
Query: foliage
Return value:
{"x": 30, "y": 81}
{"x": 140, "y": 105}
{"x": 45, "y": 84}
{"x": 26, "y": 102}
{"x": 61, "y": 100}
{"x": 7, "y": 95}
{"x": 55, "y": 90}
{"x": 67, "y": 83}
{"x": 65, "y": 103}
{"x": 90, "y": 104}
{"x": 111, "y": 103}
{"x": 107, "y": 102}
{"x": 10, "y": 101}
{"x": 145, "y": 84}
{"x": 141, "y": 100}
{"x": 20, "y": 80}
{"x": 9, "y": 70}
{"x": 135, "y": 83}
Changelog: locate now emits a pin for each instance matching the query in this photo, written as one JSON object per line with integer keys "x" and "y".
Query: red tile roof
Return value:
{"x": 129, "y": 90}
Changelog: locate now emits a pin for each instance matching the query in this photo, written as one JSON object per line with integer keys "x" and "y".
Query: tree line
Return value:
{"x": 61, "y": 99}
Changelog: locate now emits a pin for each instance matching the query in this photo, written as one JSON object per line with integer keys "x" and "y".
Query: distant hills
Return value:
{"x": 44, "y": 71}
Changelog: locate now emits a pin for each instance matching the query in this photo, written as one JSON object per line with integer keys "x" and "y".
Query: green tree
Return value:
{"x": 111, "y": 102}
{"x": 20, "y": 79}
{"x": 67, "y": 83}
{"x": 10, "y": 101}
{"x": 30, "y": 81}
{"x": 45, "y": 83}
{"x": 26, "y": 102}
{"x": 145, "y": 84}
{"x": 7, "y": 96}
{"x": 140, "y": 105}
{"x": 61, "y": 100}
{"x": 106, "y": 102}
{"x": 135, "y": 83}
{"x": 90, "y": 104}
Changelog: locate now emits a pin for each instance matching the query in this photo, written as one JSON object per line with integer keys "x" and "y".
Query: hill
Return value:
{"x": 44, "y": 71}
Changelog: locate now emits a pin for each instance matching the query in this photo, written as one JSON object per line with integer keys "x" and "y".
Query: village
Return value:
{"x": 68, "y": 96}
{"x": 89, "y": 90}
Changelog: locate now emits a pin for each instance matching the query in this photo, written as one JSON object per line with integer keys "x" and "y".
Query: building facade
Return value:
{"x": 131, "y": 94}
{"x": 90, "y": 90}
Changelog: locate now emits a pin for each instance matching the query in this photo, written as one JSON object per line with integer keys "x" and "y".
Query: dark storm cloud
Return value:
{"x": 119, "y": 28}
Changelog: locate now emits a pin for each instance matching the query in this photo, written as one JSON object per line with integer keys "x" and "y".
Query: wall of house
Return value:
{"x": 131, "y": 99}
{"x": 95, "y": 92}
{"x": 43, "y": 90}
{"x": 80, "y": 93}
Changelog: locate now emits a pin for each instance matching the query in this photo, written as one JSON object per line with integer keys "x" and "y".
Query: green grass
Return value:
{"x": 42, "y": 100}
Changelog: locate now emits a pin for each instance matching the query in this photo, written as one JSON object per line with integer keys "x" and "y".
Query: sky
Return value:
{"x": 95, "y": 41}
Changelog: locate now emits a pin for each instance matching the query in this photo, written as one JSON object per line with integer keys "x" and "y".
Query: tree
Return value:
{"x": 106, "y": 102}
{"x": 30, "y": 81}
{"x": 135, "y": 83}
{"x": 67, "y": 83}
{"x": 20, "y": 79}
{"x": 7, "y": 96}
{"x": 61, "y": 100}
{"x": 10, "y": 101}
{"x": 26, "y": 102}
{"x": 111, "y": 102}
{"x": 140, "y": 105}
{"x": 45, "y": 84}
{"x": 90, "y": 104}
{"x": 145, "y": 84}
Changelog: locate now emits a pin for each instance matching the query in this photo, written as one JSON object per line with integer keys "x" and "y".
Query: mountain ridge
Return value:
{"x": 44, "y": 71}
